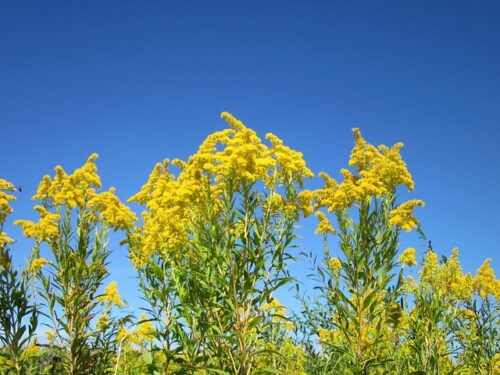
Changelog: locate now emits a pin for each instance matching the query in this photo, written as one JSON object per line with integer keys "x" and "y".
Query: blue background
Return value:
{"x": 139, "y": 81}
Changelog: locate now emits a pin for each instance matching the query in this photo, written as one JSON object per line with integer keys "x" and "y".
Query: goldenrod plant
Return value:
{"x": 214, "y": 245}
{"x": 212, "y": 250}
{"x": 74, "y": 222}
{"x": 360, "y": 310}
{"x": 18, "y": 314}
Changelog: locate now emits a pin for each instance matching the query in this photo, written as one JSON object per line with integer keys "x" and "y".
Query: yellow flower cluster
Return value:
{"x": 330, "y": 337}
{"x": 5, "y": 198}
{"x": 32, "y": 350}
{"x": 380, "y": 170}
{"x": 37, "y": 264}
{"x": 402, "y": 215}
{"x": 4, "y": 239}
{"x": 485, "y": 282}
{"x": 47, "y": 228}
{"x": 5, "y": 209}
{"x": 73, "y": 190}
{"x": 324, "y": 225}
{"x": 290, "y": 164}
{"x": 111, "y": 295}
{"x": 143, "y": 333}
{"x": 446, "y": 279}
{"x": 231, "y": 157}
{"x": 335, "y": 264}
{"x": 77, "y": 190}
{"x": 110, "y": 210}
{"x": 274, "y": 306}
{"x": 283, "y": 357}
{"x": 407, "y": 257}
{"x": 102, "y": 322}
{"x": 305, "y": 201}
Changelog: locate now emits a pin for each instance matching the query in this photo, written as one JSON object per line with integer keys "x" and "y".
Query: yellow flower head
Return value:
{"x": 47, "y": 228}
{"x": 407, "y": 257}
{"x": 111, "y": 295}
{"x": 110, "y": 210}
{"x": 324, "y": 225}
{"x": 144, "y": 332}
{"x": 69, "y": 191}
{"x": 305, "y": 199}
{"x": 4, "y": 239}
{"x": 402, "y": 215}
{"x": 447, "y": 279}
{"x": 379, "y": 171}
{"x": 36, "y": 265}
{"x": 335, "y": 264}
{"x": 233, "y": 157}
{"x": 5, "y": 208}
{"x": 274, "y": 306}
{"x": 103, "y": 322}
{"x": 485, "y": 282}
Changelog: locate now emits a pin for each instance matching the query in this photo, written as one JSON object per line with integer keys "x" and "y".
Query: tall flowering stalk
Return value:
{"x": 214, "y": 244}
{"x": 360, "y": 313}
{"x": 18, "y": 315}
{"x": 454, "y": 321}
{"x": 73, "y": 225}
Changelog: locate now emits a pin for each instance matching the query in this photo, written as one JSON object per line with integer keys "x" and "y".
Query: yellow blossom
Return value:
{"x": 469, "y": 314}
{"x": 5, "y": 208}
{"x": 275, "y": 203}
{"x": 76, "y": 190}
{"x": 231, "y": 157}
{"x": 324, "y": 226}
{"x": 47, "y": 228}
{"x": 5, "y": 260}
{"x": 37, "y": 264}
{"x": 335, "y": 264}
{"x": 447, "y": 279}
{"x": 402, "y": 215}
{"x": 73, "y": 190}
{"x": 379, "y": 171}
{"x": 407, "y": 257}
{"x": 145, "y": 331}
{"x": 111, "y": 211}
{"x": 111, "y": 295}
{"x": 274, "y": 306}
{"x": 32, "y": 350}
{"x": 123, "y": 334}
{"x": 485, "y": 282}
{"x": 103, "y": 322}
{"x": 305, "y": 198}
{"x": 4, "y": 239}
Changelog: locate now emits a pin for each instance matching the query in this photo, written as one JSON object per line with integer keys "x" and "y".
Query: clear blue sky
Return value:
{"x": 139, "y": 81}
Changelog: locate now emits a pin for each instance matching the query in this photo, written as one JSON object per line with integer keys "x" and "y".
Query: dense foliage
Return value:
{"x": 211, "y": 251}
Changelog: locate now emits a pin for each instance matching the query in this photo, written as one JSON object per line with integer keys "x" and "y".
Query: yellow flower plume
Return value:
{"x": 111, "y": 295}
{"x": 407, "y": 257}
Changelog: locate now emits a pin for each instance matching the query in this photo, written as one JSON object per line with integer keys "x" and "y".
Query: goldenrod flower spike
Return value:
{"x": 335, "y": 264}
{"x": 324, "y": 225}
{"x": 111, "y": 295}
{"x": 37, "y": 264}
{"x": 402, "y": 215}
{"x": 407, "y": 257}
{"x": 235, "y": 156}
{"x": 485, "y": 282}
